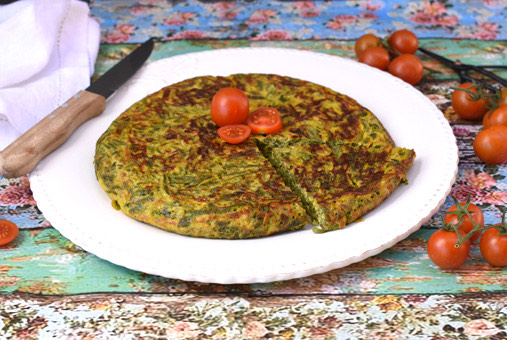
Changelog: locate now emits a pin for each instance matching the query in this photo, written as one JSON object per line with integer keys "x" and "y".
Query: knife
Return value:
{"x": 21, "y": 157}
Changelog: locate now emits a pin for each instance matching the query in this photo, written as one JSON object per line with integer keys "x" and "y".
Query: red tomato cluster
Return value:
{"x": 468, "y": 220}
{"x": 395, "y": 55}
{"x": 230, "y": 109}
{"x": 471, "y": 102}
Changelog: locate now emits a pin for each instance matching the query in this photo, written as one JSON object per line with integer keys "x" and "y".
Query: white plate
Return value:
{"x": 70, "y": 197}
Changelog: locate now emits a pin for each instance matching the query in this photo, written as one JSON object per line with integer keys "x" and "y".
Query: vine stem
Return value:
{"x": 491, "y": 98}
{"x": 463, "y": 209}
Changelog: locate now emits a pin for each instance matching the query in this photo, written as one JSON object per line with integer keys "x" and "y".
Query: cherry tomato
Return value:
{"x": 265, "y": 120}
{"x": 365, "y": 41}
{"x": 467, "y": 224}
{"x": 403, "y": 42}
{"x": 442, "y": 251}
{"x": 496, "y": 117}
{"x": 375, "y": 57}
{"x": 490, "y": 145}
{"x": 494, "y": 247}
{"x": 407, "y": 67}
{"x": 229, "y": 106}
{"x": 8, "y": 232}
{"x": 234, "y": 134}
{"x": 464, "y": 106}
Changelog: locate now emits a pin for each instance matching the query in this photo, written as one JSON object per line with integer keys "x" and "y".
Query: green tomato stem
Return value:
{"x": 462, "y": 210}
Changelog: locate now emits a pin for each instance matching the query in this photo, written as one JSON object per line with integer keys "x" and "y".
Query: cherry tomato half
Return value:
{"x": 407, "y": 67}
{"x": 496, "y": 117}
{"x": 234, "y": 134}
{"x": 375, "y": 57}
{"x": 464, "y": 106}
{"x": 490, "y": 145}
{"x": 365, "y": 41}
{"x": 229, "y": 106}
{"x": 8, "y": 232}
{"x": 403, "y": 42}
{"x": 467, "y": 224}
{"x": 442, "y": 251}
{"x": 494, "y": 247}
{"x": 265, "y": 120}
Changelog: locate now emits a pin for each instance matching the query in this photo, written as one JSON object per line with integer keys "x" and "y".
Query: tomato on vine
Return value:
{"x": 376, "y": 57}
{"x": 495, "y": 117}
{"x": 449, "y": 246}
{"x": 407, "y": 67}
{"x": 403, "y": 42}
{"x": 493, "y": 244}
{"x": 365, "y": 41}
{"x": 490, "y": 145}
{"x": 442, "y": 249}
{"x": 468, "y": 103}
{"x": 466, "y": 217}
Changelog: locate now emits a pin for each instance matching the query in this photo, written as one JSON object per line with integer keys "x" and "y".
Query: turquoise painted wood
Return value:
{"x": 477, "y": 52}
{"x": 44, "y": 262}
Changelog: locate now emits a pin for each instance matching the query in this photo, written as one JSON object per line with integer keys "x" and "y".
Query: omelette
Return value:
{"x": 162, "y": 162}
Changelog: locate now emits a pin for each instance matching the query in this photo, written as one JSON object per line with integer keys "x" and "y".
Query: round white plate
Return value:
{"x": 68, "y": 194}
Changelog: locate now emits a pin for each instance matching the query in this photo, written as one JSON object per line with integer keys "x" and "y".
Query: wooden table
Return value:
{"x": 50, "y": 288}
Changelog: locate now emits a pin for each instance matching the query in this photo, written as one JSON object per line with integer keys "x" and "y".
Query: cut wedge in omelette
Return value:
{"x": 339, "y": 184}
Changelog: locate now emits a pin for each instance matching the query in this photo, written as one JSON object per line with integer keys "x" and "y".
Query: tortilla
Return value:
{"x": 162, "y": 162}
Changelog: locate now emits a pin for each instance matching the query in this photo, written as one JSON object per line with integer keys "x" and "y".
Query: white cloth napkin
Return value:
{"x": 48, "y": 53}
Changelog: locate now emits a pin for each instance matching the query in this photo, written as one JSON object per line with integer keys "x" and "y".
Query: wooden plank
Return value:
{"x": 44, "y": 262}
{"x": 111, "y": 54}
{"x": 475, "y": 52}
{"x": 126, "y": 20}
{"x": 238, "y": 316}
{"x": 466, "y": 50}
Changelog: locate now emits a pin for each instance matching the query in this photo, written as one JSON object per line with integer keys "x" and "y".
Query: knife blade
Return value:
{"x": 22, "y": 155}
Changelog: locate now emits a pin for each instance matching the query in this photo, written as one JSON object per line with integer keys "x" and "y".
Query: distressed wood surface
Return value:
{"x": 240, "y": 316}
{"x": 50, "y": 288}
{"x": 42, "y": 261}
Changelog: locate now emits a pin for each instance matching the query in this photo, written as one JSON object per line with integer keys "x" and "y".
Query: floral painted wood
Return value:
{"x": 134, "y": 21}
{"x": 53, "y": 289}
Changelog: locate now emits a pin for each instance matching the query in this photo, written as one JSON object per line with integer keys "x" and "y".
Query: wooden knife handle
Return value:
{"x": 21, "y": 157}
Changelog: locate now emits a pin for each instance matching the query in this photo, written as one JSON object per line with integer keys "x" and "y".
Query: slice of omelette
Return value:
{"x": 338, "y": 184}
{"x": 162, "y": 162}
